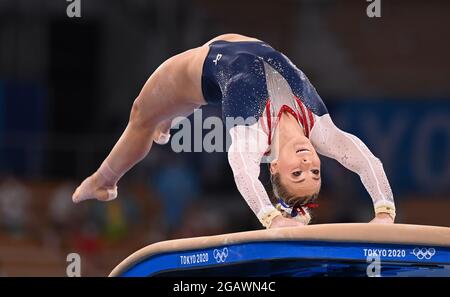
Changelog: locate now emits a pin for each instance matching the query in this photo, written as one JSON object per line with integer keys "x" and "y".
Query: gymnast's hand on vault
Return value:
{"x": 280, "y": 221}
{"x": 94, "y": 187}
{"x": 382, "y": 218}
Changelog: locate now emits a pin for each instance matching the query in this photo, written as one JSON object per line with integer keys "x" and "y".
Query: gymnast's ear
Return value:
{"x": 273, "y": 167}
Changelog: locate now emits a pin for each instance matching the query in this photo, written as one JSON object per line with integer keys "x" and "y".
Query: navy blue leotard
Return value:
{"x": 234, "y": 75}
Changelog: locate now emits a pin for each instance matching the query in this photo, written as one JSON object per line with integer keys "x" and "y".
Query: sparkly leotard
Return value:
{"x": 255, "y": 82}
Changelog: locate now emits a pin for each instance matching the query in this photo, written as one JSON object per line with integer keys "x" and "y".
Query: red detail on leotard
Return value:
{"x": 269, "y": 120}
{"x": 311, "y": 120}
{"x": 286, "y": 108}
{"x": 307, "y": 205}
{"x": 304, "y": 122}
{"x": 300, "y": 116}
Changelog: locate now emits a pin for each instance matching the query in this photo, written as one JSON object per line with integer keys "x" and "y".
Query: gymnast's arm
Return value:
{"x": 353, "y": 154}
{"x": 244, "y": 156}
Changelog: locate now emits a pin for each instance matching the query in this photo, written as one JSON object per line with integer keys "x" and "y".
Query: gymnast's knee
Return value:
{"x": 141, "y": 118}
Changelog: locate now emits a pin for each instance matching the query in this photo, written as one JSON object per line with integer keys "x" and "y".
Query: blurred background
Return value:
{"x": 67, "y": 86}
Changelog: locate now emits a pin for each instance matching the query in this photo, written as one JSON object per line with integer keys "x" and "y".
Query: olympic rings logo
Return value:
{"x": 424, "y": 253}
{"x": 220, "y": 255}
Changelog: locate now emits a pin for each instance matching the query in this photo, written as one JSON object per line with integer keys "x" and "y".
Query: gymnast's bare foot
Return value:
{"x": 94, "y": 187}
{"x": 279, "y": 222}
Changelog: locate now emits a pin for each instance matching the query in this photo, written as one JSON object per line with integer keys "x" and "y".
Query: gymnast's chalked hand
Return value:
{"x": 93, "y": 188}
{"x": 281, "y": 221}
{"x": 382, "y": 218}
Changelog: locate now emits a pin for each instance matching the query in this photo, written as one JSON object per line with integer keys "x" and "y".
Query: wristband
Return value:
{"x": 386, "y": 209}
{"x": 266, "y": 220}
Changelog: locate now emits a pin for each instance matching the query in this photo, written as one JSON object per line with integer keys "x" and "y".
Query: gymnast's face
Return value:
{"x": 298, "y": 166}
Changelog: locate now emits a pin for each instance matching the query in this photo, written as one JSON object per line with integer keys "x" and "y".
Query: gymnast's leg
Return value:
{"x": 167, "y": 94}
{"x": 133, "y": 145}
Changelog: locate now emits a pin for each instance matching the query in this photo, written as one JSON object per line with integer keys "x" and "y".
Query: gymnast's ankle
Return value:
{"x": 102, "y": 181}
{"x": 105, "y": 176}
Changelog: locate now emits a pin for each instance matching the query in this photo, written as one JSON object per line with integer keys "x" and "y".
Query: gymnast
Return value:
{"x": 291, "y": 125}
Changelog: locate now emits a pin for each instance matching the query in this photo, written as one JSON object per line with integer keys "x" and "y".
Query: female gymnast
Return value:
{"x": 291, "y": 125}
